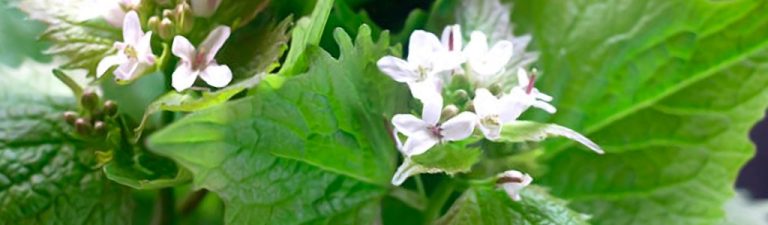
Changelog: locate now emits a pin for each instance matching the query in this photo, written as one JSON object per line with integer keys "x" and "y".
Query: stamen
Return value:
{"x": 504, "y": 180}
{"x": 198, "y": 63}
{"x": 436, "y": 130}
{"x": 531, "y": 82}
{"x": 450, "y": 41}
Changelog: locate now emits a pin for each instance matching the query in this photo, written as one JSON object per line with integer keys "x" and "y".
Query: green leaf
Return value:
{"x": 449, "y": 158}
{"x": 256, "y": 48}
{"x": 487, "y": 205}
{"x": 297, "y": 150}
{"x": 19, "y": 39}
{"x": 307, "y": 32}
{"x": 45, "y": 176}
{"x": 522, "y": 131}
{"x": 138, "y": 176}
{"x": 670, "y": 96}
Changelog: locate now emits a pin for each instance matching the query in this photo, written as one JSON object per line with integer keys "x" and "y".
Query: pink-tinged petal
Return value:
{"x": 184, "y": 77}
{"x": 432, "y": 108}
{"x": 409, "y": 124}
{"x": 544, "y": 106}
{"x": 183, "y": 49}
{"x": 217, "y": 75}
{"x": 114, "y": 16}
{"x": 426, "y": 89}
{"x": 418, "y": 144}
{"x": 485, "y": 103}
{"x": 452, "y": 39}
{"x": 513, "y": 181}
{"x": 127, "y": 70}
{"x": 398, "y": 69}
{"x": 459, "y": 127}
{"x": 513, "y": 105}
{"x": 213, "y": 43}
{"x": 422, "y": 47}
{"x": 132, "y": 28}
{"x": 541, "y": 96}
{"x": 204, "y": 8}
{"x": 109, "y": 62}
{"x": 144, "y": 49}
{"x": 477, "y": 46}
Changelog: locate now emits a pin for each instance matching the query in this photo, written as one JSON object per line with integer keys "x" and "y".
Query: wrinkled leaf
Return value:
{"x": 307, "y": 32}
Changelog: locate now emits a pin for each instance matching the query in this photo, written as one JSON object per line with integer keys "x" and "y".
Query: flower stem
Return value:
{"x": 164, "y": 207}
{"x": 438, "y": 199}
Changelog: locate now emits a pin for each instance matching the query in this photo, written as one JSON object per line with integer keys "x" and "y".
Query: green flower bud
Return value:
{"x": 184, "y": 19}
{"x": 166, "y": 29}
{"x": 100, "y": 127}
{"x": 83, "y": 127}
{"x": 89, "y": 100}
{"x": 153, "y": 23}
{"x": 449, "y": 111}
{"x": 70, "y": 117}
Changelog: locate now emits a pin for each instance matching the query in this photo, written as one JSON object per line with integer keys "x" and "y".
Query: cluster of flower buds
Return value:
{"x": 176, "y": 21}
{"x": 93, "y": 121}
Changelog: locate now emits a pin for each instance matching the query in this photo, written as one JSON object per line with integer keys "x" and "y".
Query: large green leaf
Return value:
{"x": 669, "y": 90}
{"x": 484, "y": 205}
{"x": 45, "y": 176}
{"x": 298, "y": 150}
{"x": 307, "y": 32}
{"x": 19, "y": 39}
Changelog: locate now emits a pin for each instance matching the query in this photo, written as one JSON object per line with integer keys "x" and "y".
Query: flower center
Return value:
{"x": 130, "y": 52}
{"x": 436, "y": 131}
{"x": 491, "y": 120}
{"x": 199, "y": 63}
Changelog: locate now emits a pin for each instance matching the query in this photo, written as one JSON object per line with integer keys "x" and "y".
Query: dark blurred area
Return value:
{"x": 753, "y": 175}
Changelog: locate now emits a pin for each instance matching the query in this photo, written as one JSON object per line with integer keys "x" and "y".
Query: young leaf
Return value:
{"x": 45, "y": 175}
{"x": 670, "y": 97}
{"x": 307, "y": 32}
{"x": 521, "y": 131}
{"x": 486, "y": 205}
{"x": 298, "y": 149}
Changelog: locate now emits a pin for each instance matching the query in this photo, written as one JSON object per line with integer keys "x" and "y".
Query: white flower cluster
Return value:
{"x": 134, "y": 55}
{"x": 433, "y": 62}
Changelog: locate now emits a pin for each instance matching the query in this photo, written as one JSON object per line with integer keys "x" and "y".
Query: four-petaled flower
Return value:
{"x": 484, "y": 62}
{"x": 512, "y": 181}
{"x": 525, "y": 95}
{"x": 427, "y": 58}
{"x": 117, "y": 9}
{"x": 200, "y": 61}
{"x": 493, "y": 112}
{"x": 426, "y": 132}
{"x": 204, "y": 8}
{"x": 134, "y": 54}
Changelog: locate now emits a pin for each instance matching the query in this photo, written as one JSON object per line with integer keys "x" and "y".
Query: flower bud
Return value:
{"x": 153, "y": 23}
{"x": 495, "y": 89}
{"x": 110, "y": 108}
{"x": 83, "y": 127}
{"x": 461, "y": 95}
{"x": 70, "y": 117}
{"x": 167, "y": 13}
{"x": 100, "y": 127}
{"x": 184, "y": 19}
{"x": 166, "y": 29}
{"x": 450, "y": 111}
{"x": 89, "y": 100}
{"x": 205, "y": 8}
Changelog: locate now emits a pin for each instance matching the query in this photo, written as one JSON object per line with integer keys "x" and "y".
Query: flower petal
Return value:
{"x": 490, "y": 131}
{"x": 398, "y": 69}
{"x": 132, "y": 28}
{"x": 419, "y": 143}
{"x": 513, "y": 182}
{"x": 184, "y": 77}
{"x": 183, "y": 49}
{"x": 144, "y": 48}
{"x": 204, "y": 8}
{"x": 214, "y": 42}
{"x": 432, "y": 108}
{"x": 522, "y": 78}
{"x": 128, "y": 70}
{"x": 114, "y": 15}
{"x": 422, "y": 48}
{"x": 459, "y": 127}
{"x": 409, "y": 124}
{"x": 108, "y": 62}
{"x": 477, "y": 46}
{"x": 544, "y": 106}
{"x": 485, "y": 103}
{"x": 452, "y": 38}
{"x": 216, "y": 75}
{"x": 513, "y": 105}
{"x": 499, "y": 56}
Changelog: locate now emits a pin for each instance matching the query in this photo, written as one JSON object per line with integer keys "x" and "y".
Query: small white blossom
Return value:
{"x": 512, "y": 182}
{"x": 525, "y": 95}
{"x": 134, "y": 54}
{"x": 204, "y": 8}
{"x": 426, "y": 132}
{"x": 493, "y": 112}
{"x": 116, "y": 10}
{"x": 200, "y": 62}
{"x": 486, "y": 62}
{"x": 427, "y": 58}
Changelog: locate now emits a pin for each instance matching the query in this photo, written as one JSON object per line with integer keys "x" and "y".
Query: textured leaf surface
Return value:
{"x": 44, "y": 177}
{"x": 667, "y": 88}
{"x": 487, "y": 205}
{"x": 299, "y": 150}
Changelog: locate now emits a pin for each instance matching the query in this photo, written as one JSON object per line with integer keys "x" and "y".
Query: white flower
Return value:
{"x": 134, "y": 54}
{"x": 453, "y": 42}
{"x": 525, "y": 95}
{"x": 200, "y": 61}
{"x": 204, "y": 8}
{"x": 426, "y": 132}
{"x": 485, "y": 62}
{"x": 493, "y": 112}
{"x": 117, "y": 9}
{"x": 512, "y": 182}
{"x": 427, "y": 57}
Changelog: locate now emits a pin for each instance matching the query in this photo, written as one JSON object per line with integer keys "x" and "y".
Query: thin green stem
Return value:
{"x": 420, "y": 186}
{"x": 164, "y": 207}
{"x": 438, "y": 199}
